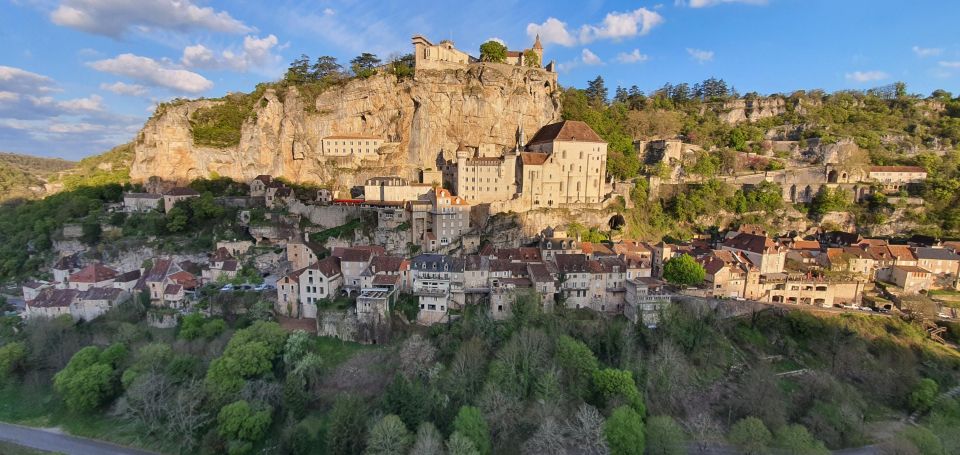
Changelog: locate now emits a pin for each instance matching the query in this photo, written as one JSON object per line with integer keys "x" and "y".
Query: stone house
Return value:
{"x": 895, "y": 178}
{"x": 141, "y": 202}
{"x": 50, "y": 303}
{"x": 177, "y": 194}
{"x": 762, "y": 251}
{"x": 504, "y": 293}
{"x": 63, "y": 267}
{"x": 564, "y": 163}
{"x": 354, "y": 261}
{"x": 288, "y": 295}
{"x": 449, "y": 219}
{"x": 438, "y": 282}
{"x": 644, "y": 300}
{"x": 351, "y": 145}
{"x": 318, "y": 281}
{"x": 31, "y": 289}
{"x": 575, "y": 277}
{"x": 911, "y": 279}
{"x": 94, "y": 302}
{"x": 173, "y": 295}
{"x": 939, "y": 261}
{"x": 728, "y": 274}
{"x": 394, "y": 189}
{"x": 483, "y": 178}
{"x": 127, "y": 281}
{"x": 258, "y": 186}
{"x": 222, "y": 266}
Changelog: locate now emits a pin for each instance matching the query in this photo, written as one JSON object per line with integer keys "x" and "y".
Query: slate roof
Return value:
{"x": 539, "y": 273}
{"x": 100, "y": 294}
{"x": 939, "y": 254}
{"x": 437, "y": 263}
{"x": 181, "y": 191}
{"x": 172, "y": 289}
{"x": 572, "y": 263}
{"x": 127, "y": 277}
{"x": 567, "y": 130}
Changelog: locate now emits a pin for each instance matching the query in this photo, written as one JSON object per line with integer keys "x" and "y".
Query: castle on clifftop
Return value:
{"x": 444, "y": 55}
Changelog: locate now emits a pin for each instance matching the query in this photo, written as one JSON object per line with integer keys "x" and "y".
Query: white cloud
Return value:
{"x": 949, "y": 64}
{"x": 151, "y": 72}
{"x": 927, "y": 51}
{"x": 866, "y": 76}
{"x": 74, "y": 128}
{"x": 707, "y": 3}
{"x": 20, "y": 80}
{"x": 329, "y": 12}
{"x": 551, "y": 31}
{"x": 116, "y": 17}
{"x": 122, "y": 88}
{"x": 92, "y": 103}
{"x": 617, "y": 26}
{"x": 589, "y": 58}
{"x": 700, "y": 55}
{"x": 633, "y": 57}
{"x": 257, "y": 53}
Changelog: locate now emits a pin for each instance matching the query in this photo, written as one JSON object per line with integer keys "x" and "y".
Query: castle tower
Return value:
{"x": 538, "y": 48}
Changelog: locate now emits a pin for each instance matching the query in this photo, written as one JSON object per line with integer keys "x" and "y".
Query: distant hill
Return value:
{"x": 28, "y": 177}
{"x": 23, "y": 176}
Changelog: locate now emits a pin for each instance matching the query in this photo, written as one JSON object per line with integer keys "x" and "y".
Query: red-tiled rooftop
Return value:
{"x": 567, "y": 130}
{"x": 93, "y": 273}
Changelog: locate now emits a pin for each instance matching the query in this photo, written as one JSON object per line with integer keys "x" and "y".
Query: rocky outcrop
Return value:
{"x": 752, "y": 110}
{"x": 419, "y": 118}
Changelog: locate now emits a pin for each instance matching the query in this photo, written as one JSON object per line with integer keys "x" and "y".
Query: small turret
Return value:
{"x": 536, "y": 43}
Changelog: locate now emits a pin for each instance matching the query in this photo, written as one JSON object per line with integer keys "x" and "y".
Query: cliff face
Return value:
{"x": 419, "y": 118}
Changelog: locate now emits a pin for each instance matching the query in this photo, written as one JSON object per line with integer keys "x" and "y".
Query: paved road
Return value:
{"x": 52, "y": 441}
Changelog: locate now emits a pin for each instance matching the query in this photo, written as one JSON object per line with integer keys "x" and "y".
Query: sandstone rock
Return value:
{"x": 420, "y": 119}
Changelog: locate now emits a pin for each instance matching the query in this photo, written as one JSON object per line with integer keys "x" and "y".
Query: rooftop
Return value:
{"x": 568, "y": 131}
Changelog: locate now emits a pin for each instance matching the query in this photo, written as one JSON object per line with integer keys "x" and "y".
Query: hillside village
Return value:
{"x": 516, "y": 249}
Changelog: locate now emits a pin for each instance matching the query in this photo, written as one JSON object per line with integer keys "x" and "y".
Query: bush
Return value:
{"x": 751, "y": 436}
{"x": 90, "y": 378}
{"x": 470, "y": 423}
{"x": 612, "y": 384}
{"x": 624, "y": 432}
{"x": 924, "y": 394}
{"x": 665, "y": 437}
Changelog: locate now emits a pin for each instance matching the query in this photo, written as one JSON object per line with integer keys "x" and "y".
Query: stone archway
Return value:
{"x": 832, "y": 176}
{"x": 807, "y": 194}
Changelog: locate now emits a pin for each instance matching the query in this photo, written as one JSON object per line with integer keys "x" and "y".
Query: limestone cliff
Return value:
{"x": 434, "y": 112}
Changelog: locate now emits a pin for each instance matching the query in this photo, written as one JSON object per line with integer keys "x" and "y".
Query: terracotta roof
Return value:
{"x": 381, "y": 264}
{"x": 355, "y": 254}
{"x": 263, "y": 178}
{"x": 533, "y": 158}
{"x": 181, "y": 191}
{"x": 230, "y": 265}
{"x": 294, "y": 276}
{"x": 753, "y": 243}
{"x": 222, "y": 254}
{"x": 52, "y": 298}
{"x": 186, "y": 279}
{"x": 806, "y": 245}
{"x": 445, "y": 193}
{"x": 567, "y": 130}
{"x": 596, "y": 249}
{"x": 159, "y": 270}
{"x": 911, "y": 268}
{"x": 522, "y": 254}
{"x": 93, "y": 273}
{"x": 392, "y": 280}
{"x": 329, "y": 266}
{"x": 897, "y": 169}
{"x": 902, "y": 252}
{"x": 172, "y": 289}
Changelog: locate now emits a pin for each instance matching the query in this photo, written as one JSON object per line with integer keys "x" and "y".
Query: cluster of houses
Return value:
{"x": 86, "y": 292}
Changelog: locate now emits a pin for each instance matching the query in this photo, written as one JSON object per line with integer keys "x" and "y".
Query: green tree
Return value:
{"x": 596, "y": 92}
{"x": 348, "y": 426}
{"x": 12, "y": 356}
{"x": 531, "y": 58}
{"x": 470, "y": 423}
{"x": 577, "y": 366}
{"x": 493, "y": 51}
{"x": 299, "y": 70}
{"x": 738, "y": 139}
{"x": 796, "y": 440}
{"x": 751, "y": 436}
{"x": 665, "y": 437}
{"x": 388, "y": 436}
{"x": 240, "y": 421}
{"x": 325, "y": 68}
{"x": 624, "y": 432}
{"x": 684, "y": 270}
{"x": 459, "y": 444}
{"x": 177, "y": 219}
{"x": 613, "y": 384}
{"x": 924, "y": 394}
{"x": 410, "y": 400}
{"x": 89, "y": 380}
{"x": 365, "y": 65}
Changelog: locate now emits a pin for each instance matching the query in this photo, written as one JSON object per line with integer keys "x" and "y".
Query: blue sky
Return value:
{"x": 80, "y": 76}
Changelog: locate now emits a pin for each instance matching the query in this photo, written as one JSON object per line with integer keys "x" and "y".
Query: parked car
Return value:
{"x": 264, "y": 287}
{"x": 226, "y": 288}
{"x": 246, "y": 287}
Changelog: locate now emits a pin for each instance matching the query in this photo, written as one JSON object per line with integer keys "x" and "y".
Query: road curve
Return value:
{"x": 52, "y": 441}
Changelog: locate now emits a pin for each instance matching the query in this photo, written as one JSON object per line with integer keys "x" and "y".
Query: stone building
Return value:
{"x": 564, "y": 164}
{"x": 437, "y": 56}
{"x": 180, "y": 193}
{"x": 141, "y": 202}
{"x": 394, "y": 189}
{"x": 449, "y": 219}
{"x": 320, "y": 280}
{"x": 482, "y": 178}
{"x": 519, "y": 58}
{"x": 351, "y": 145}
{"x": 895, "y": 178}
